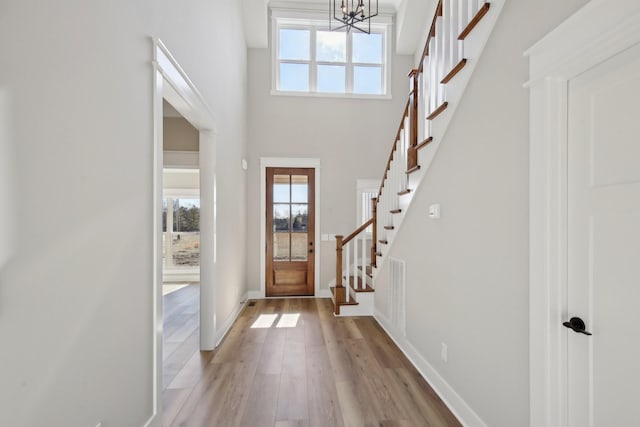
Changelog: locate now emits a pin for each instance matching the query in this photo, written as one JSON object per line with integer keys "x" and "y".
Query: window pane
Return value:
{"x": 281, "y": 246}
{"x": 186, "y": 216}
{"x": 299, "y": 226}
{"x": 331, "y": 46}
{"x": 281, "y": 217}
{"x": 181, "y": 246}
{"x": 299, "y": 218}
{"x": 299, "y": 188}
{"x": 367, "y": 48}
{"x": 294, "y": 44}
{"x": 299, "y": 247}
{"x": 367, "y": 80}
{"x": 331, "y": 78}
{"x": 294, "y": 77}
{"x": 281, "y": 188}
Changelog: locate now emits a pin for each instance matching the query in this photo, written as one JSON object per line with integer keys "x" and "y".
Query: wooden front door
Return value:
{"x": 290, "y": 228}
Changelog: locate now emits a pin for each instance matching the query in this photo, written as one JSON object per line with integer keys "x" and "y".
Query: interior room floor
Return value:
{"x": 290, "y": 362}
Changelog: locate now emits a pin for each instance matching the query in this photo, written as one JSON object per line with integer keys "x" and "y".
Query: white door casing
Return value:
{"x": 287, "y": 162}
{"x": 604, "y": 242}
{"x": 171, "y": 83}
{"x": 592, "y": 35}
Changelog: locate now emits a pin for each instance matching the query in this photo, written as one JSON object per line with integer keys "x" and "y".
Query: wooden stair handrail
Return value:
{"x": 358, "y": 230}
{"x": 432, "y": 33}
{"x": 405, "y": 113}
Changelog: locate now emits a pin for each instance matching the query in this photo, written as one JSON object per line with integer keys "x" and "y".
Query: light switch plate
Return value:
{"x": 434, "y": 211}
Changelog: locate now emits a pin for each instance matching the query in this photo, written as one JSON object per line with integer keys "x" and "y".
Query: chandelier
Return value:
{"x": 351, "y": 13}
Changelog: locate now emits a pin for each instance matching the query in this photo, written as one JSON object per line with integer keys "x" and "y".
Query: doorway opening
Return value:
{"x": 310, "y": 233}
{"x": 189, "y": 193}
{"x": 290, "y": 235}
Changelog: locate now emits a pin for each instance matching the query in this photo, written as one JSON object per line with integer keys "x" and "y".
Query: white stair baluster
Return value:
{"x": 361, "y": 260}
{"x": 440, "y": 58}
{"x": 471, "y": 10}
{"x": 453, "y": 32}
{"x": 346, "y": 285}
{"x": 447, "y": 60}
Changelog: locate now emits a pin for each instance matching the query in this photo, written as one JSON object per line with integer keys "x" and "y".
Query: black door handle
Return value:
{"x": 577, "y": 325}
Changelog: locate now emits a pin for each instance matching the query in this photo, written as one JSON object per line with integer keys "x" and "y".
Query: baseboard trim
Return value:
{"x": 230, "y": 320}
{"x": 454, "y": 402}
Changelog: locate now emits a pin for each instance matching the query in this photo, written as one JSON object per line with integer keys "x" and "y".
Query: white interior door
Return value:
{"x": 603, "y": 370}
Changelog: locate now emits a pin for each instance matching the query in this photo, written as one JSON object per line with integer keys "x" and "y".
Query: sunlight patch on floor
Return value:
{"x": 264, "y": 321}
{"x": 288, "y": 320}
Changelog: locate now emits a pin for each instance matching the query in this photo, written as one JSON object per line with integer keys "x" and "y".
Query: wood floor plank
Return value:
{"x": 192, "y": 371}
{"x": 293, "y": 399}
{"x": 317, "y": 371}
{"x": 324, "y": 406}
{"x": 262, "y": 403}
{"x": 272, "y": 352}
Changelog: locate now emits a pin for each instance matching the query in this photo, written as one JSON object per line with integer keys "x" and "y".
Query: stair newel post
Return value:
{"x": 338, "y": 261}
{"x": 412, "y": 150}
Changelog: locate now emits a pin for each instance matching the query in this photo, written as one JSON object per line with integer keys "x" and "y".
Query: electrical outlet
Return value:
{"x": 444, "y": 350}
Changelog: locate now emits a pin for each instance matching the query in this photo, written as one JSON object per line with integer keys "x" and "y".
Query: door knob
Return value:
{"x": 577, "y": 325}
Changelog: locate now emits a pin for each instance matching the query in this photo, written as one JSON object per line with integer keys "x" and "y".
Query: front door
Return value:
{"x": 290, "y": 228}
{"x": 604, "y": 243}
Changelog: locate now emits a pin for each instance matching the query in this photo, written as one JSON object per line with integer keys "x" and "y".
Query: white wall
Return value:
{"x": 467, "y": 273}
{"x": 179, "y": 135}
{"x": 351, "y": 137}
{"x": 76, "y": 288}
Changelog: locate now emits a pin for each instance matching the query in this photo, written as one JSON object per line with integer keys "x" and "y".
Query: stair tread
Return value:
{"x": 413, "y": 169}
{"x": 395, "y": 211}
{"x": 403, "y": 192}
{"x": 351, "y": 302}
{"x": 438, "y": 110}
{"x": 424, "y": 143}
{"x": 367, "y": 288}
{"x": 474, "y": 21}
{"x": 359, "y": 288}
{"x": 455, "y": 70}
{"x": 389, "y": 227}
{"x": 384, "y": 242}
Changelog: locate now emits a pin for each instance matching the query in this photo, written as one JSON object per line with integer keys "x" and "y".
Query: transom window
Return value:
{"x": 310, "y": 59}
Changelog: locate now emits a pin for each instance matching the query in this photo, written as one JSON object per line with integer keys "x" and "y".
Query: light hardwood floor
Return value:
{"x": 324, "y": 371}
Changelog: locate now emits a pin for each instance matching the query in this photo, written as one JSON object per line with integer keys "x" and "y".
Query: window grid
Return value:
{"x": 313, "y": 63}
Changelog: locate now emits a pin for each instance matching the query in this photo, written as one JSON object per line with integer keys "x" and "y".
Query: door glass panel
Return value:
{"x": 281, "y": 246}
{"x": 281, "y": 218}
{"x": 281, "y": 228}
{"x": 298, "y": 246}
{"x": 299, "y": 226}
{"x": 299, "y": 218}
{"x": 281, "y": 189}
{"x": 299, "y": 188}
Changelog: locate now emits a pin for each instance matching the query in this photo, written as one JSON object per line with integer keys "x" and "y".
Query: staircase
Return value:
{"x": 457, "y": 35}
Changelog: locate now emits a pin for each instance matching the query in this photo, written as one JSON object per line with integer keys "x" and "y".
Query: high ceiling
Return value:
{"x": 410, "y": 18}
